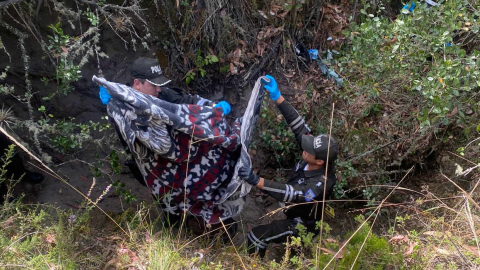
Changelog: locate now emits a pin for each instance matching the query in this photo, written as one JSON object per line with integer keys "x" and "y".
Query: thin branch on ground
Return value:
{"x": 233, "y": 244}
{"x": 325, "y": 183}
{"x": 185, "y": 185}
{"x": 461, "y": 189}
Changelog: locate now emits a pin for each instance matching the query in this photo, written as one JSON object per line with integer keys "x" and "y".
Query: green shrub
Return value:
{"x": 66, "y": 72}
{"x": 276, "y": 137}
{"x": 427, "y": 54}
{"x": 68, "y": 136}
{"x": 377, "y": 253}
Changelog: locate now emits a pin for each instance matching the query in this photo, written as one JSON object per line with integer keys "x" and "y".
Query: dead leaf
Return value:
{"x": 474, "y": 250}
{"x": 7, "y": 222}
{"x": 75, "y": 206}
{"x": 238, "y": 64}
{"x": 133, "y": 256}
{"x": 390, "y": 42}
{"x": 79, "y": 252}
{"x": 329, "y": 240}
{"x": 84, "y": 178}
{"x": 397, "y": 238}
{"x": 453, "y": 113}
{"x": 156, "y": 236}
{"x": 112, "y": 261}
{"x": 338, "y": 256}
{"x": 233, "y": 69}
{"x": 410, "y": 249}
{"x": 236, "y": 55}
{"x": 260, "y": 48}
{"x": 50, "y": 238}
{"x": 244, "y": 45}
{"x": 64, "y": 49}
{"x": 288, "y": 75}
{"x": 433, "y": 233}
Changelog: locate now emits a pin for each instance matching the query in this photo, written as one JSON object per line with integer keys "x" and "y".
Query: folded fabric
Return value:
{"x": 187, "y": 154}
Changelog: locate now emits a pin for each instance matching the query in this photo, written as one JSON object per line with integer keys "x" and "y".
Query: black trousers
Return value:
{"x": 277, "y": 231}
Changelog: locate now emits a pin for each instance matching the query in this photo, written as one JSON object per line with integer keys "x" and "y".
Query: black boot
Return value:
{"x": 231, "y": 230}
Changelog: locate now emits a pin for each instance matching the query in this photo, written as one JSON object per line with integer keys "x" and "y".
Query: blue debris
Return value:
{"x": 411, "y": 7}
{"x": 313, "y": 53}
{"x": 329, "y": 55}
{"x": 330, "y": 73}
{"x": 431, "y": 3}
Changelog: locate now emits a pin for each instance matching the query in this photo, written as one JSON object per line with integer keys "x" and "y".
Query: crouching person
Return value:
{"x": 306, "y": 183}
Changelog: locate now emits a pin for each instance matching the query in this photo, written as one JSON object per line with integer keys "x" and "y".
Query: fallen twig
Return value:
{"x": 376, "y": 149}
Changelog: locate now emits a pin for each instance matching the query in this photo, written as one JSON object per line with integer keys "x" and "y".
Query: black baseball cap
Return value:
{"x": 149, "y": 69}
{"x": 318, "y": 146}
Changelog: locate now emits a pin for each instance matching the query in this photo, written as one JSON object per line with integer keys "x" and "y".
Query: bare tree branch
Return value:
{"x": 133, "y": 7}
{"x": 9, "y": 2}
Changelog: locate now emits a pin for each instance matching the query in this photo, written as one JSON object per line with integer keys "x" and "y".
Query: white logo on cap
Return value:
{"x": 156, "y": 69}
{"x": 317, "y": 142}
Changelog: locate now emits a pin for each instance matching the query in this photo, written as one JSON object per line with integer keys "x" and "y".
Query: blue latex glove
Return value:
{"x": 225, "y": 106}
{"x": 272, "y": 88}
{"x": 104, "y": 95}
{"x": 410, "y": 8}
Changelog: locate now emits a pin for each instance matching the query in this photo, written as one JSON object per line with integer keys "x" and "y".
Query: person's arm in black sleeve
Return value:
{"x": 294, "y": 120}
{"x": 175, "y": 95}
{"x": 296, "y": 193}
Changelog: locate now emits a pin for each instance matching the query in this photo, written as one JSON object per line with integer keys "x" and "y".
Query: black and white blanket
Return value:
{"x": 188, "y": 155}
